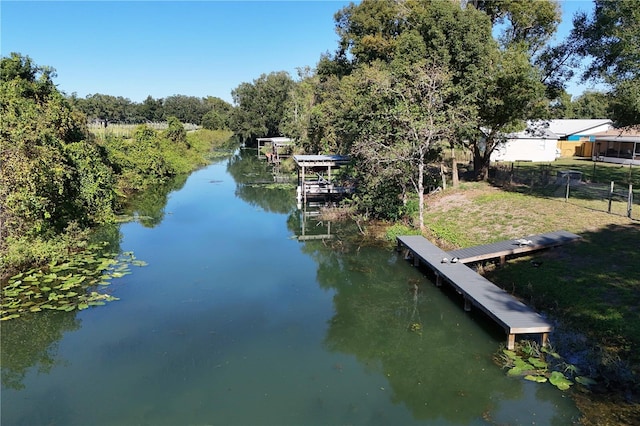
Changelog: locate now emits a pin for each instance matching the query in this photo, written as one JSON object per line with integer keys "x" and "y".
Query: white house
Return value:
{"x": 546, "y": 140}
{"x": 538, "y": 145}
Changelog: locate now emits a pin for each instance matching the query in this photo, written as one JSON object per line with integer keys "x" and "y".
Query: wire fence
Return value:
{"x": 620, "y": 197}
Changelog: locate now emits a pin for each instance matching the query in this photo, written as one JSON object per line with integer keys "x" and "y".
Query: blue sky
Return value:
{"x": 162, "y": 48}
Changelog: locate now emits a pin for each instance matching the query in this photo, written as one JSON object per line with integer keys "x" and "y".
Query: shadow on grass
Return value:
{"x": 592, "y": 288}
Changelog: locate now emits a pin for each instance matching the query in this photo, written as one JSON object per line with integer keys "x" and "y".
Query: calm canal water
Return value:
{"x": 237, "y": 322}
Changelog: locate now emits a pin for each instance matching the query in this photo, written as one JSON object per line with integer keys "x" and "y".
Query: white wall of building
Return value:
{"x": 536, "y": 150}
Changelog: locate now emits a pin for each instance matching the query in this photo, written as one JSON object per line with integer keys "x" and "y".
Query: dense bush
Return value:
{"x": 58, "y": 181}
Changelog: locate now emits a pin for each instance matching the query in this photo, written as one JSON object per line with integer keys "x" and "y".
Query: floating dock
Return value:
{"x": 511, "y": 248}
{"x": 512, "y": 315}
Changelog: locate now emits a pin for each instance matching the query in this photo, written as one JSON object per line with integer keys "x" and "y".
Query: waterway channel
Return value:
{"x": 235, "y": 321}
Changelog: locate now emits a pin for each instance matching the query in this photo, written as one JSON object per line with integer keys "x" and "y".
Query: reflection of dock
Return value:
{"x": 315, "y": 177}
{"x": 309, "y": 231}
{"x": 514, "y": 316}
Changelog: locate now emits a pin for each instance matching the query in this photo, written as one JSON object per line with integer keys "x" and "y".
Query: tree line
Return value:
{"x": 209, "y": 112}
{"x": 412, "y": 78}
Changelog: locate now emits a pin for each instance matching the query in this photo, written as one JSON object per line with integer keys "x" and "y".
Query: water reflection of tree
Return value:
{"x": 435, "y": 369}
{"x": 148, "y": 206}
{"x": 245, "y": 167}
{"x": 30, "y": 341}
{"x": 254, "y": 182}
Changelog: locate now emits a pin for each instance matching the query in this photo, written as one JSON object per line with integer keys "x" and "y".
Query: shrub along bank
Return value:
{"x": 59, "y": 181}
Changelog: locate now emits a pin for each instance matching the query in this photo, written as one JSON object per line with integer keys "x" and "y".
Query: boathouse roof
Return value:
{"x": 321, "y": 160}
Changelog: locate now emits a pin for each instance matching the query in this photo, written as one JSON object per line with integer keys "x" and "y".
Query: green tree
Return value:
{"x": 610, "y": 36}
{"x": 175, "y": 131}
{"x": 187, "y": 109}
{"x": 501, "y": 85}
{"x": 108, "y": 109}
{"x": 591, "y": 105}
{"x": 260, "y": 106}
{"x": 219, "y": 115}
{"x": 561, "y": 106}
{"x": 151, "y": 109}
{"x": 368, "y": 30}
{"x": 512, "y": 95}
{"x": 404, "y": 112}
{"x": 531, "y": 25}
{"x": 299, "y": 108}
{"x": 522, "y": 21}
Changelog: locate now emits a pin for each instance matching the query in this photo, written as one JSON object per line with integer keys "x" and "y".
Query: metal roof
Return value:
{"x": 635, "y": 139}
{"x": 576, "y": 126}
{"x": 279, "y": 139}
{"x": 322, "y": 159}
{"x": 533, "y": 133}
{"x": 626, "y": 134}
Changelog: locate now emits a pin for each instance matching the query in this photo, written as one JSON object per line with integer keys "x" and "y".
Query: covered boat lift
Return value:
{"x": 279, "y": 147}
{"x": 315, "y": 179}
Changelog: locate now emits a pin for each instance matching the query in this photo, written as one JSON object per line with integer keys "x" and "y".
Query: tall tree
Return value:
{"x": 405, "y": 114}
{"x": 532, "y": 23}
{"x": 460, "y": 39}
{"x": 591, "y": 105}
{"x": 187, "y": 109}
{"x": 513, "y": 95}
{"x": 296, "y": 122}
{"x": 260, "y": 106}
{"x": 151, "y": 109}
{"x": 611, "y": 37}
{"x": 219, "y": 114}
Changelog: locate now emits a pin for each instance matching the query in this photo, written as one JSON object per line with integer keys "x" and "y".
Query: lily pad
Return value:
{"x": 537, "y": 379}
{"x": 510, "y": 354}
{"x": 560, "y": 381}
{"x": 538, "y": 363}
{"x": 515, "y": 371}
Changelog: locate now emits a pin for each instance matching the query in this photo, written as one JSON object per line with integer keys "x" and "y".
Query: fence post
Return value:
{"x": 610, "y": 197}
{"x": 566, "y": 195}
{"x": 630, "y": 201}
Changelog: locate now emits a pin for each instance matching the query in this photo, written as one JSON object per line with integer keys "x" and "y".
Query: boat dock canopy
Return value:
{"x": 315, "y": 176}
{"x": 331, "y": 160}
{"x": 275, "y": 142}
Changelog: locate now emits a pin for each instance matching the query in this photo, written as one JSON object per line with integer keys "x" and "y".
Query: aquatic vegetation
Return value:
{"x": 415, "y": 327}
{"x": 66, "y": 286}
{"x": 541, "y": 364}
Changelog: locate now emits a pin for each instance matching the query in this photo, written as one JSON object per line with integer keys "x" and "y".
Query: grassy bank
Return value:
{"x": 590, "y": 289}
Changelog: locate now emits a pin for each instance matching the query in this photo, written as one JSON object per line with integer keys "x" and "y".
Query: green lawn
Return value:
{"x": 591, "y": 288}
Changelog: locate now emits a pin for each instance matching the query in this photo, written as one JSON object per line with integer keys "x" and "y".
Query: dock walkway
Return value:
{"x": 502, "y": 249}
{"x": 514, "y": 316}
